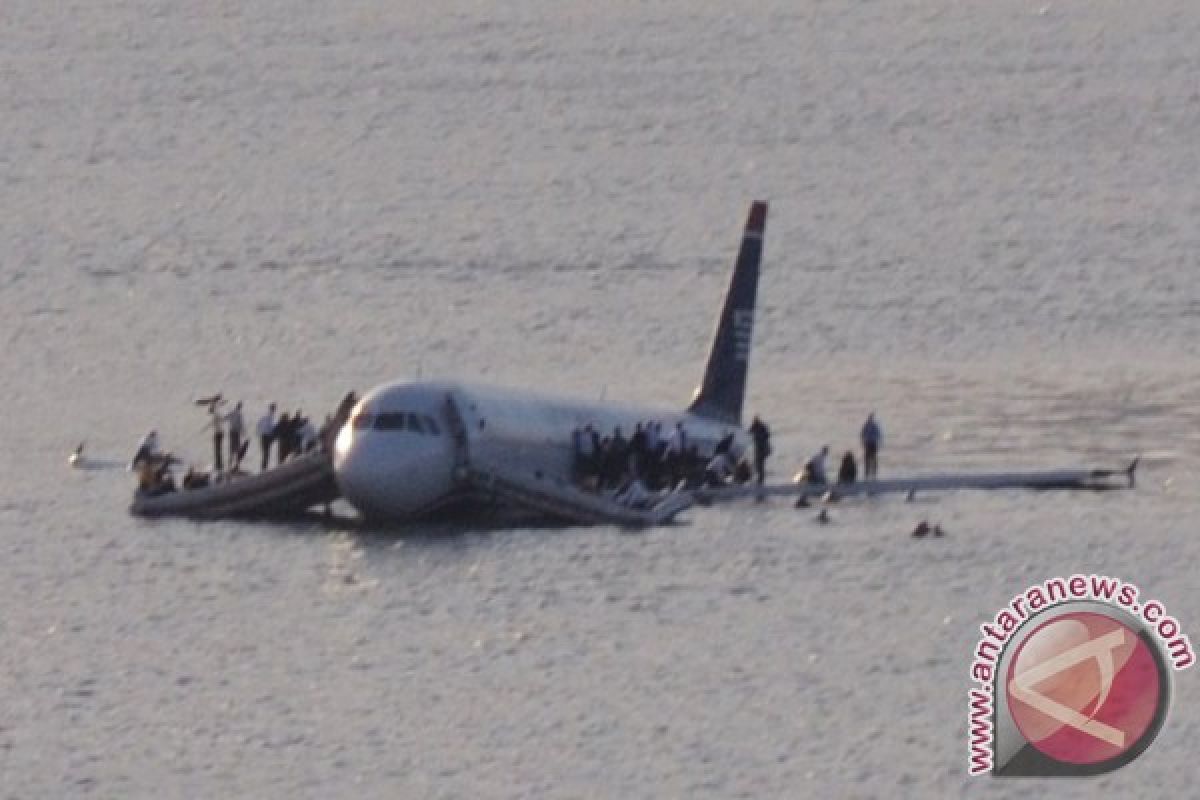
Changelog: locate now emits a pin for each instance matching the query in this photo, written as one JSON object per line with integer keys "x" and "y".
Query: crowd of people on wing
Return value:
{"x": 652, "y": 459}
{"x": 289, "y": 435}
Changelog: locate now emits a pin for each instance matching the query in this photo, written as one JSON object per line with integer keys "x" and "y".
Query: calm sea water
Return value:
{"x": 983, "y": 226}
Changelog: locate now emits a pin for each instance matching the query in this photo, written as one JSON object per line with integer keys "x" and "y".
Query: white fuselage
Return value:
{"x": 408, "y": 447}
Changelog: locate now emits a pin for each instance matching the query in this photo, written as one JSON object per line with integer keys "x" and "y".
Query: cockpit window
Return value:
{"x": 390, "y": 421}
{"x": 362, "y": 421}
{"x": 399, "y": 421}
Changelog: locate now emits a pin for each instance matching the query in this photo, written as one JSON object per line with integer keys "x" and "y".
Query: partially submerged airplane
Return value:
{"x": 415, "y": 450}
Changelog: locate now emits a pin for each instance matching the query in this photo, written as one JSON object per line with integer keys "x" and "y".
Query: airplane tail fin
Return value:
{"x": 720, "y": 395}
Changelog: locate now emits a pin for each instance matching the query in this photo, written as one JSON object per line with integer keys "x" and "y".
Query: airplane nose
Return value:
{"x": 344, "y": 441}
{"x": 390, "y": 473}
{"x": 359, "y": 476}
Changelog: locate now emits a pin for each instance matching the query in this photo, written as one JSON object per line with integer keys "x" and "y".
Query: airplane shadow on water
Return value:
{"x": 463, "y": 531}
{"x": 450, "y": 531}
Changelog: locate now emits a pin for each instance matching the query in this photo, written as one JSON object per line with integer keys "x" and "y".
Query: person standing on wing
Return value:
{"x": 676, "y": 455}
{"x": 236, "y": 426}
{"x": 217, "y": 423}
{"x": 266, "y": 433}
{"x": 872, "y": 440}
{"x": 307, "y": 435}
{"x": 762, "y": 448}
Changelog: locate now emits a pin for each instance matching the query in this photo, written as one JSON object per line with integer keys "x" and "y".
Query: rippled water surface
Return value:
{"x": 983, "y": 226}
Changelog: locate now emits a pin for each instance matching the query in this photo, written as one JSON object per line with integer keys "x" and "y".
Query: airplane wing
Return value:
{"x": 1066, "y": 479}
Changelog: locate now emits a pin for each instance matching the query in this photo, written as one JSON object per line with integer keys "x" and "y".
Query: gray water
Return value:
{"x": 983, "y": 226}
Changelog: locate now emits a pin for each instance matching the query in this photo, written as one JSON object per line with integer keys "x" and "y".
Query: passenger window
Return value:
{"x": 391, "y": 421}
{"x": 414, "y": 423}
{"x": 431, "y": 426}
{"x": 362, "y": 421}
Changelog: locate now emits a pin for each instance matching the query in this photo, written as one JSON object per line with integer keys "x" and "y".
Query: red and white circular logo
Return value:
{"x": 1085, "y": 688}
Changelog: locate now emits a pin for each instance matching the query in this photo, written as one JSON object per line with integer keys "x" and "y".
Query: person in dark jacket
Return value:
{"x": 637, "y": 451}
{"x": 266, "y": 434}
{"x": 298, "y": 423}
{"x": 814, "y": 470}
{"x": 872, "y": 440}
{"x": 283, "y": 437}
{"x": 848, "y": 471}
{"x": 762, "y": 448}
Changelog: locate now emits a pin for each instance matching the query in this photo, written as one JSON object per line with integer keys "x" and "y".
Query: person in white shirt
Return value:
{"x": 217, "y": 423}
{"x": 266, "y": 434}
